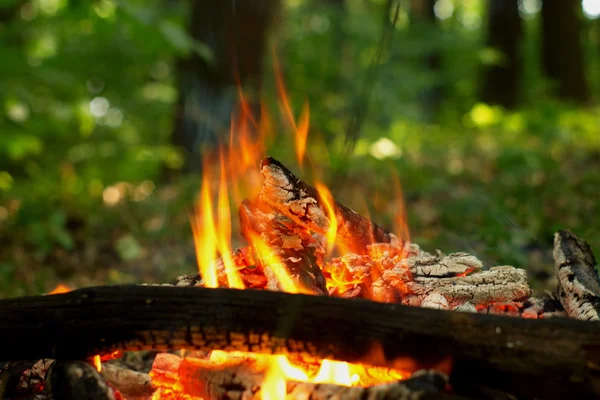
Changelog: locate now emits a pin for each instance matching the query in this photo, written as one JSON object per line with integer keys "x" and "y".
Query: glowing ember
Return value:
{"x": 327, "y": 199}
{"x": 60, "y": 288}
{"x": 301, "y": 128}
{"x": 97, "y": 362}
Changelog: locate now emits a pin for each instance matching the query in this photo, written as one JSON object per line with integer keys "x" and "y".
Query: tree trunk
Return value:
{"x": 501, "y": 85}
{"x": 423, "y": 13}
{"x": 562, "y": 52}
{"x": 236, "y": 33}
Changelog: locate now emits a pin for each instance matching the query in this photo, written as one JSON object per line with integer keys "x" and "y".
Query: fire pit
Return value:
{"x": 361, "y": 325}
{"x": 322, "y": 303}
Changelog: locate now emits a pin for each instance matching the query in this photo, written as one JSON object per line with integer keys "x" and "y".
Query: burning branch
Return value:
{"x": 301, "y": 202}
{"x": 282, "y": 246}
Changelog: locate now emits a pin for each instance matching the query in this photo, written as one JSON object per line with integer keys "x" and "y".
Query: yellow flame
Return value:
{"x": 326, "y": 197}
{"x": 205, "y": 235}
{"x": 97, "y": 362}
{"x": 224, "y": 223}
{"x": 271, "y": 261}
{"x": 336, "y": 372}
{"x": 289, "y": 370}
{"x": 273, "y": 386}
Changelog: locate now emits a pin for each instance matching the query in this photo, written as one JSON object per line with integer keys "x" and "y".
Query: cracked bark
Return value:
{"x": 301, "y": 202}
{"x": 293, "y": 247}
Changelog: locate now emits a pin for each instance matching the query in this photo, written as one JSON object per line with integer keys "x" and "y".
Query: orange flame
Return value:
{"x": 97, "y": 362}
{"x": 60, "y": 288}
{"x": 224, "y": 232}
{"x": 327, "y": 199}
{"x": 302, "y": 127}
{"x": 401, "y": 219}
{"x": 275, "y": 264}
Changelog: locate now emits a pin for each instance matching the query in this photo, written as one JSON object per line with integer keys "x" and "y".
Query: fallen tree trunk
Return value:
{"x": 533, "y": 357}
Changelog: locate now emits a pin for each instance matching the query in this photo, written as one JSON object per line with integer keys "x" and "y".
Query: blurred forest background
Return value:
{"x": 487, "y": 111}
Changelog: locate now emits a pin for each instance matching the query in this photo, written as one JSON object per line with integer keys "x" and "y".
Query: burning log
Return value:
{"x": 282, "y": 243}
{"x": 578, "y": 283}
{"x": 77, "y": 380}
{"x": 132, "y": 385}
{"x": 521, "y": 356}
{"x": 243, "y": 379}
{"x": 420, "y": 386}
{"x": 301, "y": 202}
{"x": 498, "y": 284}
{"x": 205, "y": 379}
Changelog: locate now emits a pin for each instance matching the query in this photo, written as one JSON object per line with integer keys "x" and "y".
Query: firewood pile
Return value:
{"x": 379, "y": 291}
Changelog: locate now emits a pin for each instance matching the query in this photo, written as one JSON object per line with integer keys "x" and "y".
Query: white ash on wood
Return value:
{"x": 578, "y": 283}
{"x": 133, "y": 385}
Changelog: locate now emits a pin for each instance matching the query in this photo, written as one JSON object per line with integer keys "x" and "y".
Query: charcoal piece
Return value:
{"x": 77, "y": 380}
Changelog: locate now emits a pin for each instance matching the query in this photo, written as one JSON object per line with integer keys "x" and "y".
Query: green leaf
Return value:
{"x": 128, "y": 248}
{"x": 6, "y": 180}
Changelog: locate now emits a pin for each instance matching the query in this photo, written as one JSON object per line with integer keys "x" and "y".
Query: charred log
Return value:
{"x": 301, "y": 202}
{"x": 77, "y": 380}
{"x": 551, "y": 356}
{"x": 578, "y": 283}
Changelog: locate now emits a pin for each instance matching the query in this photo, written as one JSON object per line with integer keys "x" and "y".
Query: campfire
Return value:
{"x": 319, "y": 302}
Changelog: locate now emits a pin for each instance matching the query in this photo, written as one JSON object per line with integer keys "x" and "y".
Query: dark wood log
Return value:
{"x": 77, "y": 380}
{"x": 524, "y": 357}
{"x": 301, "y": 202}
{"x": 578, "y": 283}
